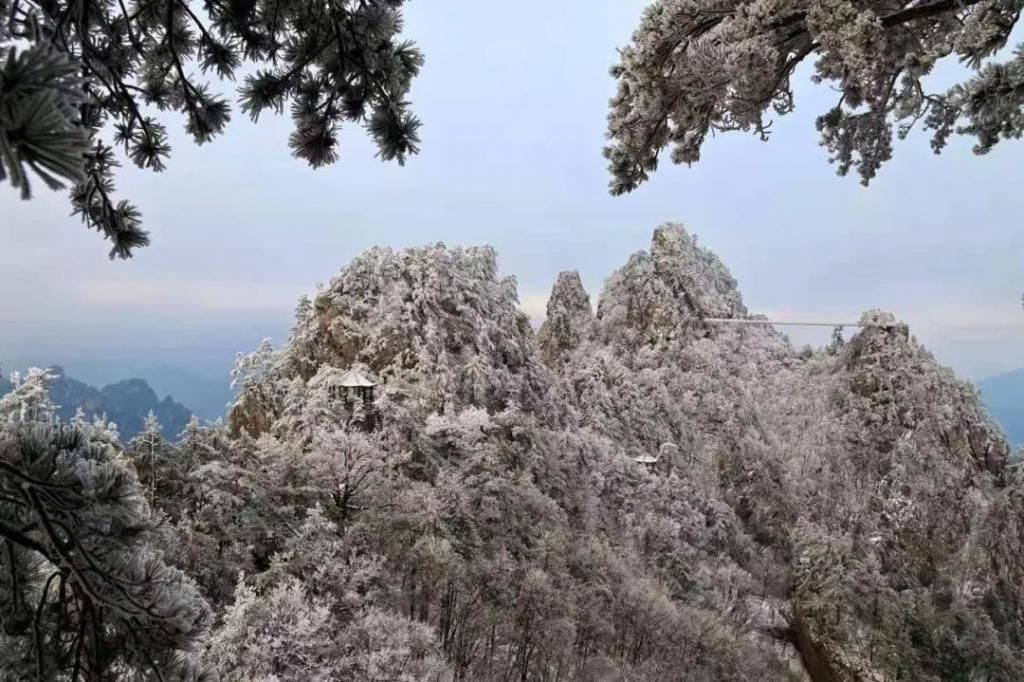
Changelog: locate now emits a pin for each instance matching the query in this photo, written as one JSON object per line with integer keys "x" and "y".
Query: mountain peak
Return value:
{"x": 125, "y": 403}
{"x": 570, "y": 317}
{"x": 694, "y": 273}
{"x": 432, "y": 322}
{"x": 659, "y": 292}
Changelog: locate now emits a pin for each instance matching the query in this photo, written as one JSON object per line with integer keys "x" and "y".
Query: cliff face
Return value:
{"x": 859, "y": 494}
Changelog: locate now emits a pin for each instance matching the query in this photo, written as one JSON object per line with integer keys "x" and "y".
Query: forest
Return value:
{"x": 629, "y": 493}
{"x": 418, "y": 485}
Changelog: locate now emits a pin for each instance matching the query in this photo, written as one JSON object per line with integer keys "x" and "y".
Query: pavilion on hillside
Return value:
{"x": 664, "y": 462}
{"x": 355, "y": 388}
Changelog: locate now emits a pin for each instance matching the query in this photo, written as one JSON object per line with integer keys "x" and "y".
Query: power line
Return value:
{"x": 733, "y": 320}
{"x": 901, "y": 328}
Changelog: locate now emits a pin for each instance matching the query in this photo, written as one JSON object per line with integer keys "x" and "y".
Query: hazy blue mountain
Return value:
{"x": 1004, "y": 396}
{"x": 206, "y": 396}
{"x": 70, "y": 394}
{"x": 204, "y": 386}
{"x": 126, "y": 403}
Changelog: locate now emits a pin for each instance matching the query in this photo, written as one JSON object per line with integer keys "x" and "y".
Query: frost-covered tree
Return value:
{"x": 849, "y": 505}
{"x": 282, "y": 634}
{"x": 29, "y": 398}
{"x": 80, "y": 81}
{"x": 83, "y": 592}
{"x": 153, "y": 458}
{"x": 99, "y": 429}
{"x": 286, "y": 635}
{"x": 256, "y": 376}
{"x": 223, "y": 513}
{"x": 699, "y": 67}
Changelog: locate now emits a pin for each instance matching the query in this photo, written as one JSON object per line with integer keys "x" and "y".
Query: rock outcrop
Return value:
{"x": 569, "y": 321}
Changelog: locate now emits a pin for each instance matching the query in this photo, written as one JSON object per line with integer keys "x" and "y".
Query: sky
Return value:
{"x": 513, "y": 100}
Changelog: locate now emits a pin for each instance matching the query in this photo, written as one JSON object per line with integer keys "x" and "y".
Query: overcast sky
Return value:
{"x": 513, "y": 99}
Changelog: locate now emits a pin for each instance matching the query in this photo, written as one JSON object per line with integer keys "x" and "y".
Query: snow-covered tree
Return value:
{"x": 282, "y": 635}
{"x": 79, "y": 81}
{"x": 99, "y": 429}
{"x": 570, "y": 318}
{"x": 225, "y": 513}
{"x": 83, "y": 592}
{"x": 29, "y": 399}
{"x": 851, "y": 503}
{"x": 157, "y": 464}
{"x": 699, "y": 67}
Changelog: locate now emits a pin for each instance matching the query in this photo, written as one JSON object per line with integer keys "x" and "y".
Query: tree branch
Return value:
{"x": 925, "y": 10}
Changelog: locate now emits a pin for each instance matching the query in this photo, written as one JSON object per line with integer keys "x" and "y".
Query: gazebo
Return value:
{"x": 646, "y": 460}
{"x": 356, "y": 389}
{"x": 664, "y": 462}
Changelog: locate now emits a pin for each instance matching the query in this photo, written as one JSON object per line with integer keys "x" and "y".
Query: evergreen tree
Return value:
{"x": 699, "y": 67}
{"x": 71, "y": 71}
{"x": 29, "y": 401}
{"x": 83, "y": 593}
{"x": 155, "y": 461}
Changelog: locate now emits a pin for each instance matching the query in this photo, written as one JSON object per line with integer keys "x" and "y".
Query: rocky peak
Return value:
{"x": 434, "y": 323}
{"x": 570, "y": 318}
{"x": 694, "y": 274}
{"x": 659, "y": 293}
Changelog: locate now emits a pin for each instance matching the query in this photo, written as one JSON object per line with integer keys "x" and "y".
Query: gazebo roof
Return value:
{"x": 355, "y": 379}
{"x": 645, "y": 459}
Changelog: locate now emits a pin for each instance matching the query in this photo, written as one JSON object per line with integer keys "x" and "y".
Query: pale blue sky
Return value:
{"x": 513, "y": 99}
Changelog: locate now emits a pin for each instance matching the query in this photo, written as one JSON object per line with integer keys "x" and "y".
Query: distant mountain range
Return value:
{"x": 1003, "y": 394}
{"x": 204, "y": 386}
{"x": 126, "y": 403}
{"x": 206, "y": 397}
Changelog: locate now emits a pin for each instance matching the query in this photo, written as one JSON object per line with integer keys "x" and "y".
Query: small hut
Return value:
{"x": 664, "y": 462}
{"x": 649, "y": 461}
{"x": 356, "y": 390}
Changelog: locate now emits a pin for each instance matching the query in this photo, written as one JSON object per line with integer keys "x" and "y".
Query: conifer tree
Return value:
{"x": 83, "y": 594}
{"x": 72, "y": 71}
{"x": 699, "y": 67}
{"x": 154, "y": 460}
{"x": 30, "y": 398}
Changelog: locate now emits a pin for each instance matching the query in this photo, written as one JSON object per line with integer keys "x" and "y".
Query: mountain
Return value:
{"x": 203, "y": 384}
{"x": 629, "y": 493}
{"x": 206, "y": 397}
{"x": 1004, "y": 396}
{"x": 126, "y": 403}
